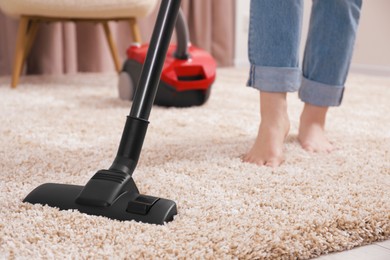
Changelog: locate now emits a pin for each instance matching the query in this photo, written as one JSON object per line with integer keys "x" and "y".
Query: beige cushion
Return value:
{"x": 79, "y": 8}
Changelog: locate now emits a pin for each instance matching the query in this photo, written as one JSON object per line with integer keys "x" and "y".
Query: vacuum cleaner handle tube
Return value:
{"x": 155, "y": 58}
{"x": 137, "y": 122}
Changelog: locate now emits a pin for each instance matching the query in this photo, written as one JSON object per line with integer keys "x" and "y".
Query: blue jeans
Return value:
{"x": 274, "y": 38}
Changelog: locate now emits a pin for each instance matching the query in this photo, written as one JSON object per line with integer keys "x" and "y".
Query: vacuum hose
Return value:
{"x": 182, "y": 36}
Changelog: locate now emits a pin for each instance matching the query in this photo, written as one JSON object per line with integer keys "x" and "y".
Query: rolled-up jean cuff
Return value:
{"x": 274, "y": 79}
{"x": 319, "y": 94}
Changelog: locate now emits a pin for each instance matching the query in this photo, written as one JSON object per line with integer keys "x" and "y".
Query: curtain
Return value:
{"x": 211, "y": 25}
{"x": 82, "y": 47}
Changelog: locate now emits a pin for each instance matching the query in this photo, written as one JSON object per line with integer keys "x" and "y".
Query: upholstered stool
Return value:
{"x": 33, "y": 12}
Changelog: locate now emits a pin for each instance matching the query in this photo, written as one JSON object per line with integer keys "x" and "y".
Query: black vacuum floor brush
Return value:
{"x": 112, "y": 193}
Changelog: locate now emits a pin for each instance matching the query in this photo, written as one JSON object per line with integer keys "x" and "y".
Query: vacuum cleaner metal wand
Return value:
{"x": 136, "y": 125}
{"x": 112, "y": 193}
{"x": 148, "y": 82}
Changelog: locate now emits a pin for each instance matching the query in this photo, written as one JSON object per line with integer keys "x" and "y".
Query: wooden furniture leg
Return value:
{"x": 19, "y": 50}
{"x": 135, "y": 30}
{"x": 113, "y": 49}
{"x": 31, "y": 34}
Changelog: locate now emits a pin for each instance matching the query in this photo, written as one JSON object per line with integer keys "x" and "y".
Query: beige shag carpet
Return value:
{"x": 64, "y": 128}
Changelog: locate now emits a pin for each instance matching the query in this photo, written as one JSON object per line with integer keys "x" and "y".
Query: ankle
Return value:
{"x": 273, "y": 106}
{"x": 314, "y": 115}
{"x": 280, "y": 121}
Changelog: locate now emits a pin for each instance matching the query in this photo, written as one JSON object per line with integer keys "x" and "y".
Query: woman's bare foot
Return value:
{"x": 275, "y": 124}
{"x": 312, "y": 129}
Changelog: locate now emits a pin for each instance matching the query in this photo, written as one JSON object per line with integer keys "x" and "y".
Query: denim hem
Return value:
{"x": 320, "y": 94}
{"x": 274, "y": 79}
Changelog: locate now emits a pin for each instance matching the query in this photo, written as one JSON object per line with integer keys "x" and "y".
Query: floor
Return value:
{"x": 377, "y": 251}
{"x": 305, "y": 199}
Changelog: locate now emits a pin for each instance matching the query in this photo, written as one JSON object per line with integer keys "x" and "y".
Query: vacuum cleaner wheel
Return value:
{"x": 126, "y": 86}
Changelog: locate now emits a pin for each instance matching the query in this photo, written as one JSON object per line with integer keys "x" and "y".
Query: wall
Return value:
{"x": 372, "y": 50}
{"x": 241, "y": 35}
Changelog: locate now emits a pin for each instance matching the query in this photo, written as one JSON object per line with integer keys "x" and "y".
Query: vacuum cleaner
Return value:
{"x": 112, "y": 192}
{"x": 187, "y": 76}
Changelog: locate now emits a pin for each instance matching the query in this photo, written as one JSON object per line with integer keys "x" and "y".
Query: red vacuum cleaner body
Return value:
{"x": 195, "y": 73}
{"x": 187, "y": 76}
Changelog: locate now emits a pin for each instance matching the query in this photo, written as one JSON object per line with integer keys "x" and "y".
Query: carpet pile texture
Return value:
{"x": 64, "y": 128}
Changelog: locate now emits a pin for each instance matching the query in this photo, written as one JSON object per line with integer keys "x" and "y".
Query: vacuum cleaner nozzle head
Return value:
{"x": 102, "y": 197}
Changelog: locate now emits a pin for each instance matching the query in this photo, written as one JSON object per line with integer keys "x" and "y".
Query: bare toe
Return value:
{"x": 268, "y": 147}
{"x": 274, "y": 162}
